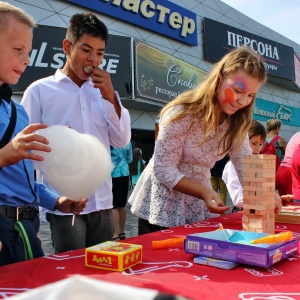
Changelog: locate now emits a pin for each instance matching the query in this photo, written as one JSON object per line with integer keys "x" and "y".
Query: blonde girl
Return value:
{"x": 197, "y": 129}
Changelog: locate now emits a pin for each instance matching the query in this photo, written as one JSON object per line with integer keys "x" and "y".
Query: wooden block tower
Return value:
{"x": 259, "y": 193}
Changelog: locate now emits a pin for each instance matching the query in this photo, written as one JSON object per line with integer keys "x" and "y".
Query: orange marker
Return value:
{"x": 174, "y": 242}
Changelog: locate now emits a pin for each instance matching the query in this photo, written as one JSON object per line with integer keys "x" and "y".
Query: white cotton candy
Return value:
{"x": 78, "y": 163}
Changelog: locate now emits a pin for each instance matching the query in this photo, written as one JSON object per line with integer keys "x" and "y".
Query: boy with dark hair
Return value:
{"x": 81, "y": 96}
{"x": 20, "y": 195}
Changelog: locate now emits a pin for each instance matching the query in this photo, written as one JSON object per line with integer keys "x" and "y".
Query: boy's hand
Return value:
{"x": 102, "y": 81}
{"x": 66, "y": 205}
{"x": 19, "y": 147}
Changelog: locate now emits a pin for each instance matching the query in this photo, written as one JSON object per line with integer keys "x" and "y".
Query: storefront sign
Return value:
{"x": 161, "y": 16}
{"x": 265, "y": 110}
{"x": 220, "y": 38}
{"x": 47, "y": 55}
{"x": 161, "y": 76}
{"x": 297, "y": 70}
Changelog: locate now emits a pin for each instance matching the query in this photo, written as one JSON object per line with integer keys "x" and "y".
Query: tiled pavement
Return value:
{"x": 130, "y": 229}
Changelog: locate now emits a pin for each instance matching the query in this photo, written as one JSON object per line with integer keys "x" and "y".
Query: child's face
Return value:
{"x": 85, "y": 54}
{"x": 15, "y": 45}
{"x": 236, "y": 91}
{"x": 256, "y": 143}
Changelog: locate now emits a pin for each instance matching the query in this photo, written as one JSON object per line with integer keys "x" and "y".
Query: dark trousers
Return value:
{"x": 12, "y": 249}
{"x": 146, "y": 227}
{"x": 88, "y": 230}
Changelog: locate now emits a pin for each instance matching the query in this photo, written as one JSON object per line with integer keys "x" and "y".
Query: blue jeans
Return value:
{"x": 88, "y": 230}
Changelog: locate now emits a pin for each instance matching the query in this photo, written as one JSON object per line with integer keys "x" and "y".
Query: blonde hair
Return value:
{"x": 202, "y": 102}
{"x": 273, "y": 124}
{"x": 7, "y": 9}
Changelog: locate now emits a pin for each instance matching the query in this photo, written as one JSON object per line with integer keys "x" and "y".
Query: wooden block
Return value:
{"x": 259, "y": 209}
{"x": 256, "y": 179}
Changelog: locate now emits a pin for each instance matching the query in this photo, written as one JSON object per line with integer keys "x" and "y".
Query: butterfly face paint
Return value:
{"x": 229, "y": 90}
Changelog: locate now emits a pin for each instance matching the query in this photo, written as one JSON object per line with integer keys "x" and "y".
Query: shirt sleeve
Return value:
{"x": 169, "y": 147}
{"x": 237, "y": 158}
{"x": 47, "y": 198}
{"x": 119, "y": 129}
{"x": 32, "y": 105}
{"x": 233, "y": 184}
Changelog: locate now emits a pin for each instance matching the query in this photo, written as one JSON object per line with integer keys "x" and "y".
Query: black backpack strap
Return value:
{"x": 11, "y": 126}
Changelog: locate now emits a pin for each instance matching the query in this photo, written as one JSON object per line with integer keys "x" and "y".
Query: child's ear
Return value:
{"x": 67, "y": 46}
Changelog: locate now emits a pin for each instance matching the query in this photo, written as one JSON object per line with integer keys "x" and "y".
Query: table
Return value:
{"x": 169, "y": 270}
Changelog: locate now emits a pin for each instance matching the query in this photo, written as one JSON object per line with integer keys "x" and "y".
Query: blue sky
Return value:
{"x": 283, "y": 16}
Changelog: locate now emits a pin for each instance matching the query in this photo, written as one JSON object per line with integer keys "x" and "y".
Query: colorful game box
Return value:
{"x": 113, "y": 256}
{"x": 289, "y": 214}
{"x": 235, "y": 246}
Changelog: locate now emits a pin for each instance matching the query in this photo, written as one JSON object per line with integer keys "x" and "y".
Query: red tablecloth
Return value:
{"x": 169, "y": 270}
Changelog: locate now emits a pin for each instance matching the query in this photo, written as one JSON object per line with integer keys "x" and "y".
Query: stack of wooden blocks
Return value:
{"x": 259, "y": 193}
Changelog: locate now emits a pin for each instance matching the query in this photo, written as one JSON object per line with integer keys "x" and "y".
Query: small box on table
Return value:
{"x": 113, "y": 256}
{"x": 234, "y": 245}
{"x": 289, "y": 214}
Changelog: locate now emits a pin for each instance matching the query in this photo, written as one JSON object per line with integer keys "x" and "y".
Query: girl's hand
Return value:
{"x": 214, "y": 203}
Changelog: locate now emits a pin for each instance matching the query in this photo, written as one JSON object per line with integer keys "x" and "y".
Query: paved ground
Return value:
{"x": 130, "y": 229}
{"x": 45, "y": 235}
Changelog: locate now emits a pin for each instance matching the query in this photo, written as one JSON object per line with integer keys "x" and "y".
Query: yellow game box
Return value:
{"x": 113, "y": 256}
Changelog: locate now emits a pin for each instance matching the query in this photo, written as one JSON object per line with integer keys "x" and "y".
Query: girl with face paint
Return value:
{"x": 197, "y": 129}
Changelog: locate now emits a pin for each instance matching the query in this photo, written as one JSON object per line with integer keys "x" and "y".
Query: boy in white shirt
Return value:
{"x": 81, "y": 96}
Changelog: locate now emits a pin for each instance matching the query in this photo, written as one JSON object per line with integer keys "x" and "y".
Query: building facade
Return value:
{"x": 159, "y": 48}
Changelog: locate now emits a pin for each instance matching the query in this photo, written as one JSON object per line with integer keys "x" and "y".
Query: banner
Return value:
{"x": 161, "y": 76}
{"x": 161, "y": 16}
{"x": 219, "y": 39}
{"x": 297, "y": 70}
{"x": 47, "y": 55}
{"x": 265, "y": 110}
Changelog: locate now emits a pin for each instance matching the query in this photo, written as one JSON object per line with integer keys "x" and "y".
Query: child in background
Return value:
{"x": 257, "y": 136}
{"x": 283, "y": 174}
{"x": 137, "y": 166}
{"x": 273, "y": 128}
{"x": 120, "y": 157}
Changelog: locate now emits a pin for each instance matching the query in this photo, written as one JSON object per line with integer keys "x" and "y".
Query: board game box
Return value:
{"x": 113, "y": 256}
{"x": 235, "y": 246}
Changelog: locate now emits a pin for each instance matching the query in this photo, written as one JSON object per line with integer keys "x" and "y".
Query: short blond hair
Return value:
{"x": 273, "y": 124}
{"x": 7, "y": 9}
